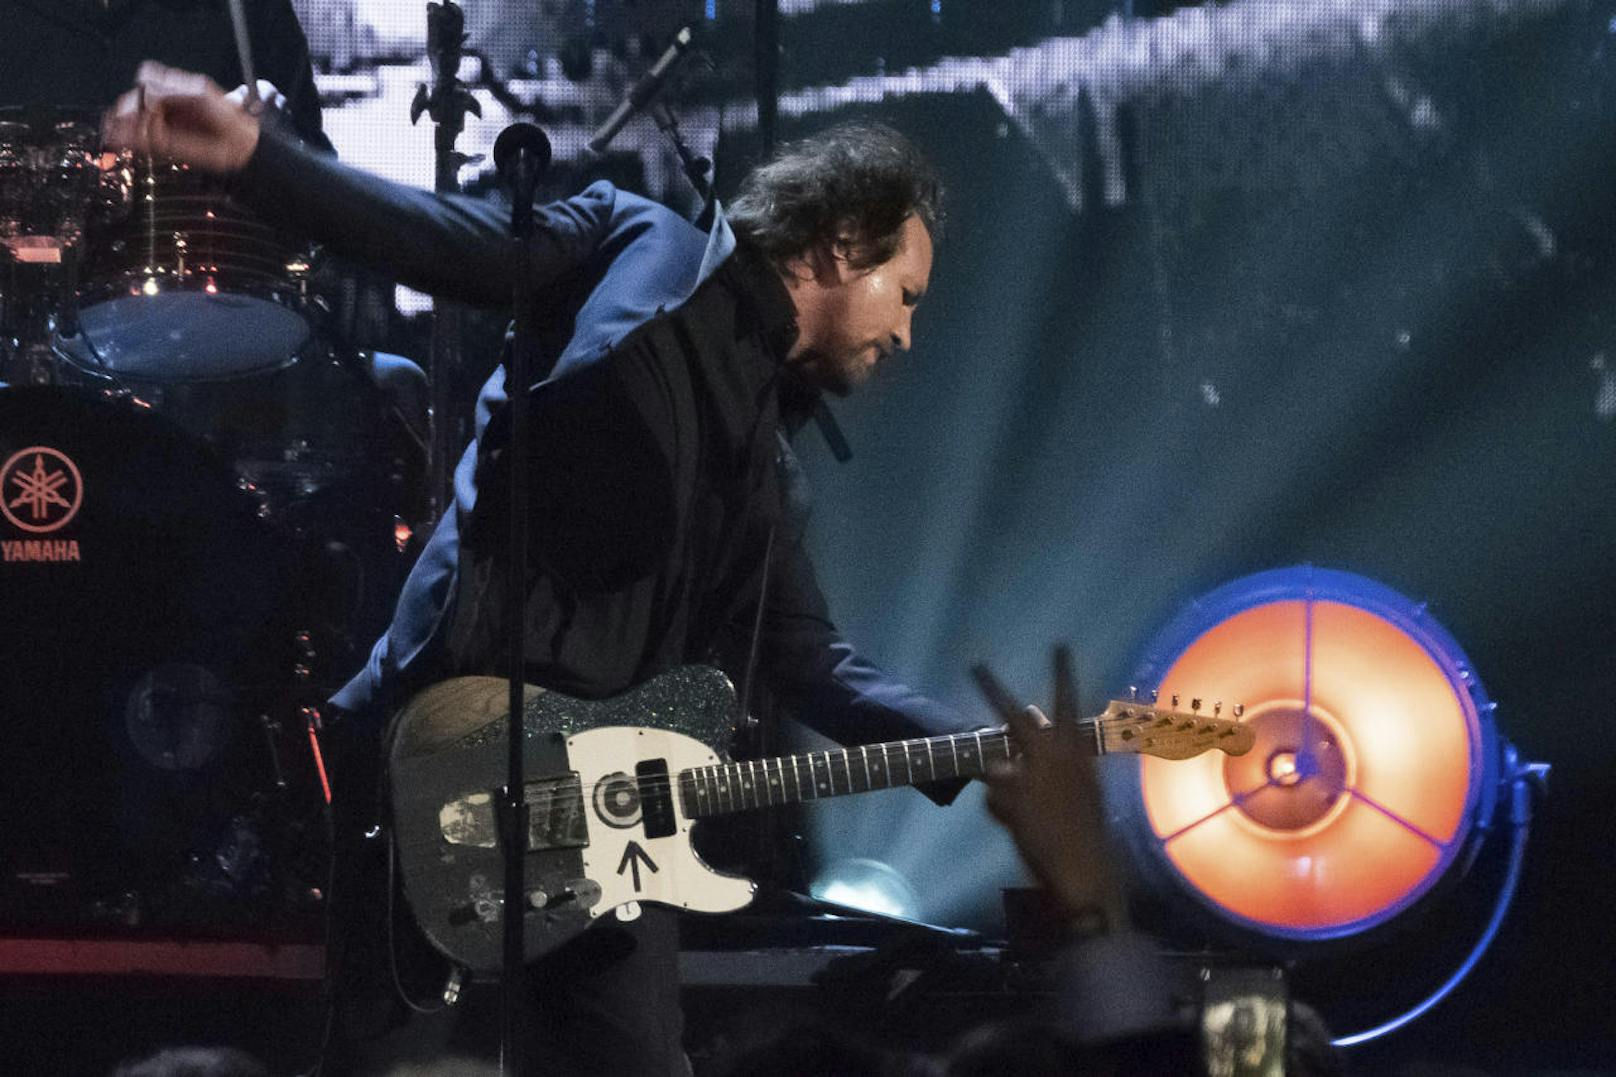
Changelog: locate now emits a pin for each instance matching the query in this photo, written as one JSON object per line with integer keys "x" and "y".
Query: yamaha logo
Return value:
{"x": 40, "y": 490}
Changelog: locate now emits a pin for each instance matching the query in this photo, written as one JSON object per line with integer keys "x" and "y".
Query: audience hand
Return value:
{"x": 1048, "y": 797}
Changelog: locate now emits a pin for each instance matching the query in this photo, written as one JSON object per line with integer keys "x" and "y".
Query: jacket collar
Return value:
{"x": 769, "y": 304}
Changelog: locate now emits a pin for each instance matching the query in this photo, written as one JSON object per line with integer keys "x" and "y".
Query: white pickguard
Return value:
{"x": 667, "y": 870}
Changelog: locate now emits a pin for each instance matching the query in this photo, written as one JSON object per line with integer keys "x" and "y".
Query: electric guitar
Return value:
{"x": 614, "y": 786}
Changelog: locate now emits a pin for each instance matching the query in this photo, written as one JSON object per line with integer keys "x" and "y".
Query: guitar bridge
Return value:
{"x": 555, "y": 816}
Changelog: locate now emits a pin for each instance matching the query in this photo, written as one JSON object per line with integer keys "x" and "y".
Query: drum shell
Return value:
{"x": 56, "y": 187}
{"x": 312, "y": 425}
{"x": 155, "y": 776}
{"x": 55, "y": 183}
{"x": 189, "y": 285}
{"x": 327, "y": 458}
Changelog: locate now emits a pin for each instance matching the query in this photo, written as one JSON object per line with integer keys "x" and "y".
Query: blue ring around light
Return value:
{"x": 1299, "y": 583}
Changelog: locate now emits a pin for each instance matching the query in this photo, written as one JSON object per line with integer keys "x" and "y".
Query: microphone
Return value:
{"x": 648, "y": 87}
{"x": 521, "y": 154}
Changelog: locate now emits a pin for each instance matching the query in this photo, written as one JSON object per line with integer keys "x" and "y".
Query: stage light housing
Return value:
{"x": 1374, "y": 775}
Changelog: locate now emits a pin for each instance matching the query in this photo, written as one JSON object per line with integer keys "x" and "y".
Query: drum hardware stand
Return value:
{"x": 41, "y": 315}
{"x": 31, "y": 359}
{"x": 447, "y": 102}
{"x": 271, "y": 730}
{"x": 309, "y": 715}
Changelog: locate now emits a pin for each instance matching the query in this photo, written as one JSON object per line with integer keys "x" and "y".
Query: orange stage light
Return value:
{"x": 1375, "y": 764}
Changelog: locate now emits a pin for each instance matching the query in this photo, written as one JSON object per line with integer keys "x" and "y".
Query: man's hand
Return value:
{"x": 1048, "y": 797}
{"x": 181, "y": 116}
{"x": 269, "y": 96}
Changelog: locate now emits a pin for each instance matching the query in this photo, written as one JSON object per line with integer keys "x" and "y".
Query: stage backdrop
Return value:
{"x": 1223, "y": 288}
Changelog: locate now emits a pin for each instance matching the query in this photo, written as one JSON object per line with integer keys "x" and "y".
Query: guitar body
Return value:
{"x": 606, "y": 824}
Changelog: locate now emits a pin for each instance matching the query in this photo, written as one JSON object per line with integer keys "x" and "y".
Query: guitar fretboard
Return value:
{"x": 760, "y": 783}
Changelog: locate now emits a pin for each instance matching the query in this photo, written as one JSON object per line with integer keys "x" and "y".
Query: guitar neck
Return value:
{"x": 760, "y": 783}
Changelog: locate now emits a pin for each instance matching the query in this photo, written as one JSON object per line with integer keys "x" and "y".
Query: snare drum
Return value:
{"x": 188, "y": 285}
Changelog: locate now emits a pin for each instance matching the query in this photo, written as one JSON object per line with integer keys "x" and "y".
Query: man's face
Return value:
{"x": 855, "y": 318}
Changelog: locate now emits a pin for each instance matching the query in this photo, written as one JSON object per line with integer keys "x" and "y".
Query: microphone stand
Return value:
{"x": 696, "y": 167}
{"x": 645, "y": 96}
{"x": 521, "y": 154}
{"x": 447, "y": 102}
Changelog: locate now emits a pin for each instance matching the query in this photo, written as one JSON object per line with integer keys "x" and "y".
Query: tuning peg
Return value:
{"x": 1154, "y": 696}
{"x": 1195, "y": 704}
{"x": 1217, "y": 708}
{"x": 1239, "y": 709}
{"x": 1175, "y": 700}
{"x": 1133, "y": 693}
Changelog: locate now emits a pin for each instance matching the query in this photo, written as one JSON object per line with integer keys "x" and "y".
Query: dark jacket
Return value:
{"x": 659, "y": 466}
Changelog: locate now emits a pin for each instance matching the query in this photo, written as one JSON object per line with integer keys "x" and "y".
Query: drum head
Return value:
{"x": 180, "y": 336}
{"x": 145, "y": 630}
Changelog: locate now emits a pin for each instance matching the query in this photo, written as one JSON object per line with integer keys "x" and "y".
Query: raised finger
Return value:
{"x": 1065, "y": 685}
{"x": 127, "y": 104}
{"x": 998, "y": 696}
{"x": 1025, "y": 725}
{"x": 120, "y": 123}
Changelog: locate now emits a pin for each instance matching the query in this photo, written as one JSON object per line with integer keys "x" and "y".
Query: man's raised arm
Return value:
{"x": 447, "y": 245}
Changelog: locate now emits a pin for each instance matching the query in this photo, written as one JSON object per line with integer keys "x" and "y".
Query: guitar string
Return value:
{"x": 548, "y": 797}
{"x": 1174, "y": 734}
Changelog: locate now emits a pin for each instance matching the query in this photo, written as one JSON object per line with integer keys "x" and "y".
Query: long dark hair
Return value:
{"x": 855, "y": 181}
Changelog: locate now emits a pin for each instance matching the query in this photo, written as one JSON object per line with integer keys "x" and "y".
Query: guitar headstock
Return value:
{"x": 1170, "y": 733}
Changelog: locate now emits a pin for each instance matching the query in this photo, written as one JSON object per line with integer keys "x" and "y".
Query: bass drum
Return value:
{"x": 155, "y": 774}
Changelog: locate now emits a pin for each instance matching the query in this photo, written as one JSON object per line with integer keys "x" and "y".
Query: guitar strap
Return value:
{"x": 745, "y": 702}
{"x": 785, "y": 465}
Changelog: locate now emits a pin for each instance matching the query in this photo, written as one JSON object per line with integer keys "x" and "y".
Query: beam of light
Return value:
{"x": 863, "y": 883}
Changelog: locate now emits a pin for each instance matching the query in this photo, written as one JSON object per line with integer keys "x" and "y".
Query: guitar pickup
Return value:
{"x": 555, "y": 817}
{"x": 656, "y": 798}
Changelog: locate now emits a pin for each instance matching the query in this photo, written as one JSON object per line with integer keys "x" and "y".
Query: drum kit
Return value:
{"x": 202, "y": 506}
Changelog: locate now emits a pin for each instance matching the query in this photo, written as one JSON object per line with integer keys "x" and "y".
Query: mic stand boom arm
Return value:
{"x": 696, "y": 167}
{"x": 644, "y": 96}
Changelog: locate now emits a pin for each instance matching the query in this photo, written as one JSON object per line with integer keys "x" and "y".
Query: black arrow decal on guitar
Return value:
{"x": 631, "y": 858}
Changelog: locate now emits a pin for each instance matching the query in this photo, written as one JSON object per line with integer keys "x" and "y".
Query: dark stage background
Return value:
{"x": 1224, "y": 288}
